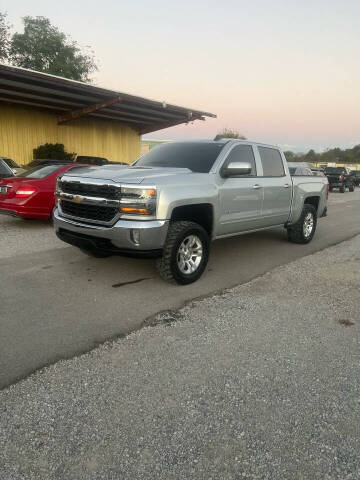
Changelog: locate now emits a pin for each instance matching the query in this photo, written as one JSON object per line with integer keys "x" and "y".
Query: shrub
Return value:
{"x": 52, "y": 151}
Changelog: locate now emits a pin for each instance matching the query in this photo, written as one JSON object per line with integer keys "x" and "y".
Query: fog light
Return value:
{"x": 135, "y": 236}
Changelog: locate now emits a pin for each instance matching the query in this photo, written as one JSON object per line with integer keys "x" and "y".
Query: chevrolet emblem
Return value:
{"x": 77, "y": 199}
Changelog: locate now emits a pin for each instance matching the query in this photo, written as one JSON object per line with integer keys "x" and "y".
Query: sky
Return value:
{"x": 281, "y": 72}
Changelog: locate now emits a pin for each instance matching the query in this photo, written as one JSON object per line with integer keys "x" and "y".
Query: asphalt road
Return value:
{"x": 56, "y": 303}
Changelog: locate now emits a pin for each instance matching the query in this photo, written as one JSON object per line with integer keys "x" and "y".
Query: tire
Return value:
{"x": 342, "y": 189}
{"x": 190, "y": 238}
{"x": 297, "y": 232}
{"x": 351, "y": 188}
{"x": 95, "y": 253}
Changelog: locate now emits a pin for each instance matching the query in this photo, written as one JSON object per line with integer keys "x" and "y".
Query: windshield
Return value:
{"x": 41, "y": 171}
{"x": 196, "y": 156}
{"x": 11, "y": 163}
{"x": 334, "y": 170}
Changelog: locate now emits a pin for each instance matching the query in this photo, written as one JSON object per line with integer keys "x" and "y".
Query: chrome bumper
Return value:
{"x": 127, "y": 235}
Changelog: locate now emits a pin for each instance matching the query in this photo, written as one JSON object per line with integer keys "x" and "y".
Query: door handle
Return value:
{"x": 287, "y": 185}
{"x": 257, "y": 186}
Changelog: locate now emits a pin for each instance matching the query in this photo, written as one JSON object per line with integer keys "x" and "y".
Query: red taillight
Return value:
{"x": 25, "y": 192}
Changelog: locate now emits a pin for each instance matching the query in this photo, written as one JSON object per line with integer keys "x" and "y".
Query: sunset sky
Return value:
{"x": 283, "y": 72}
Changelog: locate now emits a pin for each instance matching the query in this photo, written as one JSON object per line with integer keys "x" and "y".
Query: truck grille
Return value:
{"x": 88, "y": 212}
{"x": 110, "y": 192}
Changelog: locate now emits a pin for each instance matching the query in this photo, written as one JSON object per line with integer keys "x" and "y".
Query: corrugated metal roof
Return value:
{"x": 61, "y": 95}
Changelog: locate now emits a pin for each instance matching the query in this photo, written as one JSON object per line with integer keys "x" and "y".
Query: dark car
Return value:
{"x": 14, "y": 167}
{"x": 356, "y": 177}
{"x": 90, "y": 160}
{"x": 5, "y": 170}
{"x": 341, "y": 178}
{"x": 83, "y": 159}
{"x": 95, "y": 160}
{"x": 43, "y": 161}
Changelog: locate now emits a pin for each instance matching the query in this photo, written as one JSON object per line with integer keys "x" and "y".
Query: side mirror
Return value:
{"x": 234, "y": 169}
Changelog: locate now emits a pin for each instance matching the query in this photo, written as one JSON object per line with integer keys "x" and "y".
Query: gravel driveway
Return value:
{"x": 261, "y": 382}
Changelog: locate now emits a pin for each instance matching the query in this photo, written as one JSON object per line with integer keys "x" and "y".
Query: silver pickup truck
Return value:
{"x": 175, "y": 199}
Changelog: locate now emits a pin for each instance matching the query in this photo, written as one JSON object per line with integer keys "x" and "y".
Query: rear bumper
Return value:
{"x": 24, "y": 214}
{"x": 125, "y": 236}
{"x": 19, "y": 210}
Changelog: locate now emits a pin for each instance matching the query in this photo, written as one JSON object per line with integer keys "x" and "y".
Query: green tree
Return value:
{"x": 4, "y": 37}
{"x": 230, "y": 133}
{"x": 42, "y": 47}
{"x": 311, "y": 156}
{"x": 331, "y": 155}
{"x": 290, "y": 156}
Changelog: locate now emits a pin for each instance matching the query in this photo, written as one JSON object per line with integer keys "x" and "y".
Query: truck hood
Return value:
{"x": 124, "y": 174}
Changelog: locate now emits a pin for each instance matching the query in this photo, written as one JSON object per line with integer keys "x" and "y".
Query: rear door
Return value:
{"x": 240, "y": 197}
{"x": 276, "y": 185}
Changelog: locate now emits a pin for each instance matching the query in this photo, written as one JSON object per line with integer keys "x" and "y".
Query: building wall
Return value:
{"x": 23, "y": 129}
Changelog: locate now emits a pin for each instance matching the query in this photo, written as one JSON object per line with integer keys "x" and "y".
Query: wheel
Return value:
{"x": 95, "y": 253}
{"x": 304, "y": 229}
{"x": 185, "y": 253}
{"x": 342, "y": 189}
{"x": 351, "y": 188}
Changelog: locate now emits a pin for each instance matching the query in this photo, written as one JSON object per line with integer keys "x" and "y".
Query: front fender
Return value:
{"x": 180, "y": 195}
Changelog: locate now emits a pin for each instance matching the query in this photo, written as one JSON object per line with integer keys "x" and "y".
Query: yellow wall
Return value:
{"x": 144, "y": 148}
{"x": 23, "y": 129}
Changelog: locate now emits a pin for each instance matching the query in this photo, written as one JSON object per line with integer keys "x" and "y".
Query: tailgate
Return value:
{"x": 333, "y": 178}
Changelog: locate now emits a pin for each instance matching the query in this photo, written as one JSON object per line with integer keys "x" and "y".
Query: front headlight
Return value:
{"x": 138, "y": 201}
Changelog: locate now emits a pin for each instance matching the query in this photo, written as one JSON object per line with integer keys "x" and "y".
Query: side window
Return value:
{"x": 242, "y": 153}
{"x": 4, "y": 170}
{"x": 271, "y": 162}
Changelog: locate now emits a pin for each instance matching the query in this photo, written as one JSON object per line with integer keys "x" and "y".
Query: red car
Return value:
{"x": 32, "y": 193}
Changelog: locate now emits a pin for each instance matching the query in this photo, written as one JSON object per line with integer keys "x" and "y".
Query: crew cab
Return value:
{"x": 341, "y": 178}
{"x": 178, "y": 197}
